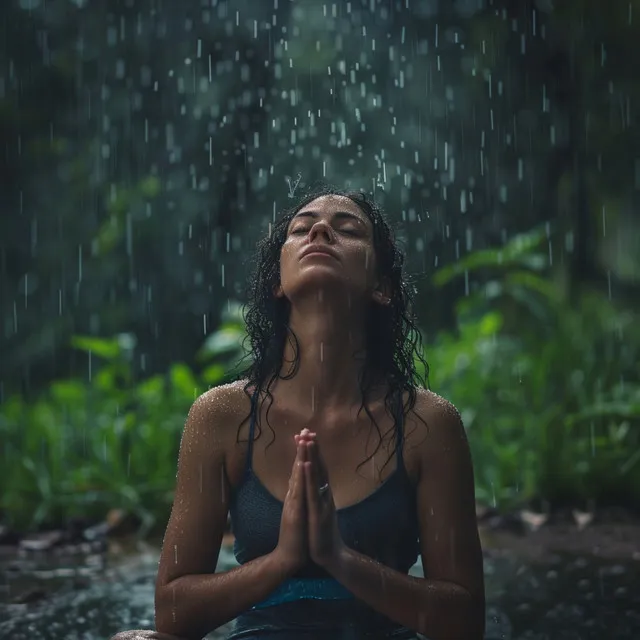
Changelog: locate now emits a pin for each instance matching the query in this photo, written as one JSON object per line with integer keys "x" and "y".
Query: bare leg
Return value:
{"x": 144, "y": 634}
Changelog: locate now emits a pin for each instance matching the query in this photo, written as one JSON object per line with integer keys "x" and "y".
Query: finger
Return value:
{"x": 303, "y": 453}
{"x": 314, "y": 479}
{"x": 304, "y": 437}
{"x": 300, "y": 452}
{"x": 297, "y": 472}
{"x": 315, "y": 457}
{"x": 297, "y": 480}
{"x": 311, "y": 489}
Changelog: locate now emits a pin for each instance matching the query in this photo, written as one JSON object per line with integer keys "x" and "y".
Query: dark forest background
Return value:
{"x": 145, "y": 146}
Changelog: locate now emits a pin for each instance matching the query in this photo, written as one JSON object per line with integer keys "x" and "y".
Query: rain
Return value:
{"x": 146, "y": 148}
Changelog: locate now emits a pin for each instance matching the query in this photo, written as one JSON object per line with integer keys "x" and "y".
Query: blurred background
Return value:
{"x": 147, "y": 145}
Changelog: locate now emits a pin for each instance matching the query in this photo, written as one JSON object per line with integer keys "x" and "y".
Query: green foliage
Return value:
{"x": 87, "y": 446}
{"x": 548, "y": 387}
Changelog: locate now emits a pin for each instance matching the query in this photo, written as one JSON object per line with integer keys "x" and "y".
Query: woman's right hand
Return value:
{"x": 293, "y": 549}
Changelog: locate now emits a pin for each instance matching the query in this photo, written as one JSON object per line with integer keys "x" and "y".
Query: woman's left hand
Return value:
{"x": 325, "y": 543}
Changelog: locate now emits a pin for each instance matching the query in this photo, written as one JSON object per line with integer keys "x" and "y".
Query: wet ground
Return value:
{"x": 537, "y": 589}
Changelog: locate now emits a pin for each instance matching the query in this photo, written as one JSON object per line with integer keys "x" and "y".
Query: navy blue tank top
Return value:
{"x": 383, "y": 526}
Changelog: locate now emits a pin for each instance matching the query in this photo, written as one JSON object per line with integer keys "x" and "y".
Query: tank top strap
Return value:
{"x": 399, "y": 417}
{"x": 252, "y": 428}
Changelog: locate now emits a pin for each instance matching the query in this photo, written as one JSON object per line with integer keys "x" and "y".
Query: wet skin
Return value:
{"x": 329, "y": 277}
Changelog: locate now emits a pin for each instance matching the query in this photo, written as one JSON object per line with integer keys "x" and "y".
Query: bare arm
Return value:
{"x": 191, "y": 599}
{"x": 448, "y": 604}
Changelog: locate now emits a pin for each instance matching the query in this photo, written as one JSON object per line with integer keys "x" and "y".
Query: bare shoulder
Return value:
{"x": 431, "y": 405}
{"x": 436, "y": 440}
{"x": 435, "y": 422}
{"x": 218, "y": 412}
{"x": 225, "y": 400}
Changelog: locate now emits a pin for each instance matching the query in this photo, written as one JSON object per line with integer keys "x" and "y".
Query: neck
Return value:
{"x": 329, "y": 344}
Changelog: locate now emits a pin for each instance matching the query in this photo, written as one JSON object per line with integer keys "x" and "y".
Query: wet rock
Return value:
{"x": 583, "y": 518}
{"x": 533, "y": 520}
{"x": 58, "y": 545}
{"x": 77, "y": 538}
{"x": 31, "y": 595}
{"x": 42, "y": 541}
{"x": 97, "y": 531}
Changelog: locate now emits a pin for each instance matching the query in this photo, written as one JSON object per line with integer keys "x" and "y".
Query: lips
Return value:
{"x": 318, "y": 249}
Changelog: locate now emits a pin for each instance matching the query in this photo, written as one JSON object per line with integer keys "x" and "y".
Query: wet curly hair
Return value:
{"x": 393, "y": 343}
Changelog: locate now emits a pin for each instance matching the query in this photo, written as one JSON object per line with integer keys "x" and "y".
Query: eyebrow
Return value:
{"x": 341, "y": 215}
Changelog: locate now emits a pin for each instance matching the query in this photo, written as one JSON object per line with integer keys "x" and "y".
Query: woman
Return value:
{"x": 362, "y": 469}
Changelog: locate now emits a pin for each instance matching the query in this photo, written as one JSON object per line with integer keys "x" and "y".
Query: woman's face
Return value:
{"x": 329, "y": 243}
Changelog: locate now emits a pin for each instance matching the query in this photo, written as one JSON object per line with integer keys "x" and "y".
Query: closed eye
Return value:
{"x": 303, "y": 230}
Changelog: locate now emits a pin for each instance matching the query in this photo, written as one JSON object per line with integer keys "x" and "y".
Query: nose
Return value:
{"x": 323, "y": 229}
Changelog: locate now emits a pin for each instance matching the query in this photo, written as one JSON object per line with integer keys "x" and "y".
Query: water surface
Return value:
{"x": 563, "y": 597}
